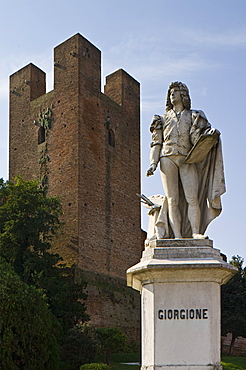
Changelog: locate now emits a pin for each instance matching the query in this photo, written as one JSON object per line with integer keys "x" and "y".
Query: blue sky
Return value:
{"x": 199, "y": 42}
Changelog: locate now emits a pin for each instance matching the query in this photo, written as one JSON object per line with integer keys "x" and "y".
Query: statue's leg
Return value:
{"x": 170, "y": 178}
{"x": 189, "y": 179}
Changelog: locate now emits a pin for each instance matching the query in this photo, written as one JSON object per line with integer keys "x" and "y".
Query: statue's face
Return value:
{"x": 175, "y": 95}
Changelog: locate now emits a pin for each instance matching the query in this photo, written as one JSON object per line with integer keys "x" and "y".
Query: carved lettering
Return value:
{"x": 183, "y": 314}
{"x": 160, "y": 314}
{"x": 205, "y": 313}
{"x": 192, "y": 314}
{"x": 170, "y": 314}
{"x": 176, "y": 314}
{"x": 198, "y": 313}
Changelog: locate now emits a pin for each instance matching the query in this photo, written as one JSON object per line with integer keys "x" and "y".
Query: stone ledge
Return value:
{"x": 179, "y": 270}
{"x": 161, "y": 249}
{"x": 177, "y": 243}
{"x": 181, "y": 253}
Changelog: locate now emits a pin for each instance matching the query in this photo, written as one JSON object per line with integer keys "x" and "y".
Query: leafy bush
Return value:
{"x": 94, "y": 366}
{"x": 79, "y": 346}
{"x": 29, "y": 221}
{"x": 233, "y": 303}
{"x": 111, "y": 340}
{"x": 29, "y": 333}
{"x": 131, "y": 347}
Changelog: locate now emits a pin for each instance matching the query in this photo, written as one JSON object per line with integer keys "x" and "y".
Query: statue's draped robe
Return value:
{"x": 211, "y": 182}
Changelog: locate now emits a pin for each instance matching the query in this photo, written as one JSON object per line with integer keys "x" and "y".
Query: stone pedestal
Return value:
{"x": 179, "y": 281}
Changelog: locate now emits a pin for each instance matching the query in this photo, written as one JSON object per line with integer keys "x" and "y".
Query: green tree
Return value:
{"x": 94, "y": 366}
{"x": 29, "y": 332}
{"x": 79, "y": 346}
{"x": 29, "y": 220}
{"x": 111, "y": 340}
{"x": 233, "y": 306}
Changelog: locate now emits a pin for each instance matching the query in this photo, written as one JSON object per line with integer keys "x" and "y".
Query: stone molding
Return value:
{"x": 192, "y": 260}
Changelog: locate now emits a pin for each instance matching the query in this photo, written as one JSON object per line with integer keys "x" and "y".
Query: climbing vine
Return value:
{"x": 43, "y": 161}
{"x": 45, "y": 121}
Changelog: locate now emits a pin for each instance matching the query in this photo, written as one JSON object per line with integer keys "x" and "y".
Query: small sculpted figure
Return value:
{"x": 191, "y": 167}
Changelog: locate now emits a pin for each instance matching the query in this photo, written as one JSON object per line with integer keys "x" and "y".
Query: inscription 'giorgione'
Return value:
{"x": 183, "y": 314}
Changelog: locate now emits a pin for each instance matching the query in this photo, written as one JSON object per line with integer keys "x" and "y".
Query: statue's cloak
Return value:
{"x": 211, "y": 185}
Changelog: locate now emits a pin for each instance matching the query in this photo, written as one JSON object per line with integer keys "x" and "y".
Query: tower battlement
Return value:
{"x": 84, "y": 146}
{"x": 88, "y": 154}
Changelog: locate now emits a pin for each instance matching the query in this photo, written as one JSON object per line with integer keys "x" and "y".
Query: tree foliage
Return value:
{"x": 111, "y": 340}
{"x": 233, "y": 306}
{"x": 29, "y": 220}
{"x": 94, "y": 366}
{"x": 29, "y": 332}
{"x": 79, "y": 346}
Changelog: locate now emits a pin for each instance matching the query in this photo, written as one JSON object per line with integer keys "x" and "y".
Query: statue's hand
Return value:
{"x": 213, "y": 130}
{"x": 151, "y": 170}
{"x": 156, "y": 118}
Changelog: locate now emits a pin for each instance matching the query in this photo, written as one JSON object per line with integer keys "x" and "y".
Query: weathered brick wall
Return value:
{"x": 239, "y": 348}
{"x": 90, "y": 157}
{"x": 25, "y": 85}
{"x": 112, "y": 303}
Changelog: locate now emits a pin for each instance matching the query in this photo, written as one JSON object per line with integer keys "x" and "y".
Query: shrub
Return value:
{"x": 79, "y": 346}
{"x": 29, "y": 333}
{"x": 111, "y": 340}
{"x": 94, "y": 366}
{"x": 131, "y": 347}
{"x": 29, "y": 221}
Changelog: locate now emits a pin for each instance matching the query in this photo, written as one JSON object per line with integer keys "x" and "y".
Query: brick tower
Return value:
{"x": 85, "y": 147}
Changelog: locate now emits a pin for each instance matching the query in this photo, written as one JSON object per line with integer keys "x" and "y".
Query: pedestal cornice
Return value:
{"x": 180, "y": 260}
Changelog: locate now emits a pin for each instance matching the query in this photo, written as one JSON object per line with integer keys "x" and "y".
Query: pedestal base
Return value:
{"x": 180, "y": 285}
{"x": 186, "y": 367}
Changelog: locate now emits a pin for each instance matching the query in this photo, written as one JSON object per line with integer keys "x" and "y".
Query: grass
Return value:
{"x": 118, "y": 360}
{"x": 115, "y": 366}
{"x": 233, "y": 363}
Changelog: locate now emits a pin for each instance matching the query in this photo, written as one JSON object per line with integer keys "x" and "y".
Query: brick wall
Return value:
{"x": 90, "y": 156}
{"x": 93, "y": 149}
{"x": 239, "y": 348}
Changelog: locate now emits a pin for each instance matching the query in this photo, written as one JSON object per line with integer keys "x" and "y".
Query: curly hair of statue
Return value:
{"x": 185, "y": 96}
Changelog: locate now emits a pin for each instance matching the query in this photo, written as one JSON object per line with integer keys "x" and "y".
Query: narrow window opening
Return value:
{"x": 41, "y": 135}
{"x": 111, "y": 138}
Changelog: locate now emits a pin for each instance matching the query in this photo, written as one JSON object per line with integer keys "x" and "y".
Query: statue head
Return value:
{"x": 184, "y": 91}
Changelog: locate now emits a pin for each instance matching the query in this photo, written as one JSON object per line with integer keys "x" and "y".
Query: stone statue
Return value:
{"x": 191, "y": 167}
